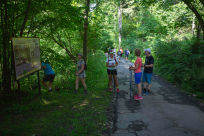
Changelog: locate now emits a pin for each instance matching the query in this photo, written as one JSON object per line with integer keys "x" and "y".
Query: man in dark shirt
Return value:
{"x": 148, "y": 70}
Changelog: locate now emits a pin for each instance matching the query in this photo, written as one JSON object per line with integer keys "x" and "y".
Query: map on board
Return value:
{"x": 26, "y": 56}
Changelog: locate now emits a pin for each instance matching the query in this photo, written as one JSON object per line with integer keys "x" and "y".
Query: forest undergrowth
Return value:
{"x": 62, "y": 112}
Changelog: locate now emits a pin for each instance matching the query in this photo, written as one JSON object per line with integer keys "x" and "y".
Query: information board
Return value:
{"x": 26, "y": 56}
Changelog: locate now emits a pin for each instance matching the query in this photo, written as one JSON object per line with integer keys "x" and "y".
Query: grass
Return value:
{"x": 59, "y": 113}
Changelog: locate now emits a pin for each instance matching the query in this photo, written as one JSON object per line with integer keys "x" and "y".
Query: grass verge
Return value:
{"x": 60, "y": 113}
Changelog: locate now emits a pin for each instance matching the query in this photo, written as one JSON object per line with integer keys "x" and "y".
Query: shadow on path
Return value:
{"x": 166, "y": 111}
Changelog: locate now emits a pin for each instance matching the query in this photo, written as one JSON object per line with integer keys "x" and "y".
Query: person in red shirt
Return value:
{"x": 121, "y": 50}
{"x": 138, "y": 73}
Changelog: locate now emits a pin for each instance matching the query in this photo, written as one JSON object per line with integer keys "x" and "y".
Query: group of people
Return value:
{"x": 112, "y": 62}
{"x": 80, "y": 74}
{"x": 120, "y": 53}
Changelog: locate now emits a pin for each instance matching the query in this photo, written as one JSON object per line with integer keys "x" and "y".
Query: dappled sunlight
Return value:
{"x": 46, "y": 102}
{"x": 96, "y": 96}
{"x": 84, "y": 103}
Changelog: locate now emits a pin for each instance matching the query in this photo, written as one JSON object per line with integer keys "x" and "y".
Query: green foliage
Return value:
{"x": 60, "y": 113}
{"x": 177, "y": 62}
{"x": 166, "y": 28}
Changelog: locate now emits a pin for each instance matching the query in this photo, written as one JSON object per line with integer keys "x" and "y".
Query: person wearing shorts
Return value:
{"x": 138, "y": 73}
{"x": 148, "y": 70}
{"x": 119, "y": 55}
{"x": 127, "y": 53}
{"x": 48, "y": 77}
{"x": 111, "y": 64}
{"x": 80, "y": 73}
{"x": 109, "y": 50}
{"x": 114, "y": 51}
{"x": 121, "y": 50}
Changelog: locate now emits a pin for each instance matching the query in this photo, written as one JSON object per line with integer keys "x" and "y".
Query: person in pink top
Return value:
{"x": 138, "y": 73}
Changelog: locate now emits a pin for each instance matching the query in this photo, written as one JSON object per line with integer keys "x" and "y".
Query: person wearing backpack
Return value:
{"x": 119, "y": 55}
{"x": 111, "y": 64}
{"x": 80, "y": 73}
{"x": 121, "y": 50}
{"x": 127, "y": 53}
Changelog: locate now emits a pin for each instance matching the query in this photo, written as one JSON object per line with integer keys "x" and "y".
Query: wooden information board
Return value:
{"x": 26, "y": 56}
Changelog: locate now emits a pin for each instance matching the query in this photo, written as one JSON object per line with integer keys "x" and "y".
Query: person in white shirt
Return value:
{"x": 114, "y": 51}
{"x": 111, "y": 64}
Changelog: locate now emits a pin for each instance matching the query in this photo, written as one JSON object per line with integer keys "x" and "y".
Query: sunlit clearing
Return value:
{"x": 96, "y": 96}
{"x": 61, "y": 106}
{"x": 45, "y": 102}
{"x": 85, "y": 102}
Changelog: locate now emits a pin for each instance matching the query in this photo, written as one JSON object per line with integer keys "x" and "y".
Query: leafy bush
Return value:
{"x": 181, "y": 62}
{"x": 60, "y": 113}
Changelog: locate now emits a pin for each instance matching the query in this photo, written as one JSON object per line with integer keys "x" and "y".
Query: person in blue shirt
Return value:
{"x": 48, "y": 77}
{"x": 127, "y": 53}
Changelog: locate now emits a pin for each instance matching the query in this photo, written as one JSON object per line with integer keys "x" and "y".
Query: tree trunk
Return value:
{"x": 198, "y": 31}
{"x": 197, "y": 14}
{"x": 85, "y": 41}
{"x": 25, "y": 19}
{"x": 1, "y": 48}
{"x": 5, "y": 38}
{"x": 115, "y": 29}
{"x": 120, "y": 24}
{"x": 193, "y": 24}
{"x": 202, "y": 1}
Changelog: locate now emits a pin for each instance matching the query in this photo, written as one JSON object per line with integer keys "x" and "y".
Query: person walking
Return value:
{"x": 119, "y": 55}
{"x": 49, "y": 75}
{"x": 138, "y": 73}
{"x": 127, "y": 53}
{"x": 111, "y": 64}
{"x": 80, "y": 73}
{"x": 148, "y": 70}
{"x": 114, "y": 51}
{"x": 121, "y": 50}
{"x": 109, "y": 50}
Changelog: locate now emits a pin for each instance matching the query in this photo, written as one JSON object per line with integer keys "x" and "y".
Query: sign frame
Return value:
{"x": 32, "y": 72}
{"x": 25, "y": 73}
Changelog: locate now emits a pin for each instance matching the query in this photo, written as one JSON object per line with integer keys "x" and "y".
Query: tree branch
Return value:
{"x": 199, "y": 17}
{"x": 25, "y": 19}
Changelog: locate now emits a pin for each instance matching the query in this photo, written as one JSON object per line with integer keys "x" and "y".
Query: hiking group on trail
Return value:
{"x": 112, "y": 62}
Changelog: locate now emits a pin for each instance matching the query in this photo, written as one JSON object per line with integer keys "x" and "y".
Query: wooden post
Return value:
{"x": 19, "y": 91}
{"x": 39, "y": 83}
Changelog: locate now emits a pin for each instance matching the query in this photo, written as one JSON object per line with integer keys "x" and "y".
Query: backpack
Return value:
{"x": 114, "y": 59}
{"x": 85, "y": 66}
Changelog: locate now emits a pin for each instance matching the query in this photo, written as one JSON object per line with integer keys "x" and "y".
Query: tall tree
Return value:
{"x": 86, "y": 23}
{"x": 4, "y": 22}
{"x": 120, "y": 22}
